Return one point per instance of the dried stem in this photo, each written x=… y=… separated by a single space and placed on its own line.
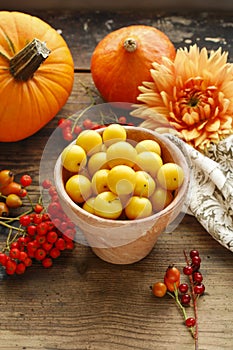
x=194 y=300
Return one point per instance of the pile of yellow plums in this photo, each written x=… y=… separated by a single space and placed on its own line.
x=114 y=177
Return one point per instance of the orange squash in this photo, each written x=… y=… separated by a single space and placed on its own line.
x=122 y=60
x=36 y=74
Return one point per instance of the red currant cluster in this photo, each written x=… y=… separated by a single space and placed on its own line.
x=70 y=129
x=35 y=235
x=186 y=293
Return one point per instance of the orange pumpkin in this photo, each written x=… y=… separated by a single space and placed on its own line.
x=122 y=61
x=36 y=74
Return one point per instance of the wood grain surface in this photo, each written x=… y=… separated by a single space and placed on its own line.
x=82 y=302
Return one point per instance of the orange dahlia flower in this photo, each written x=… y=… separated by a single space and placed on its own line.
x=193 y=95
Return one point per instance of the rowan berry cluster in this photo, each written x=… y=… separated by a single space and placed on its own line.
x=39 y=234
x=185 y=293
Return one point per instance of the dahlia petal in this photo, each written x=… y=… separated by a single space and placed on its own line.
x=212 y=127
x=201 y=138
x=191 y=118
x=150 y=99
x=202 y=125
x=207 y=110
x=190 y=134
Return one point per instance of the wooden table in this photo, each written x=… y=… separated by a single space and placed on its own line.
x=83 y=302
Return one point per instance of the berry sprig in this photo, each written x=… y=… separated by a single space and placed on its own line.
x=186 y=293
x=33 y=235
x=71 y=127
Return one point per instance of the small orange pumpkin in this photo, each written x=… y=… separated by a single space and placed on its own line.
x=36 y=74
x=122 y=60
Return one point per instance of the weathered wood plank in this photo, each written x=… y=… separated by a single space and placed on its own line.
x=83 y=30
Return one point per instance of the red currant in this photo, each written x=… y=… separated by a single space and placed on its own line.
x=193 y=253
x=197 y=277
x=199 y=289
x=190 y=322
x=122 y=120
x=61 y=122
x=188 y=270
x=77 y=129
x=67 y=134
x=87 y=123
x=185 y=299
x=196 y=260
x=183 y=287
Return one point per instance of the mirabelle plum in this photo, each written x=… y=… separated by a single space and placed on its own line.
x=90 y=141
x=96 y=162
x=121 y=153
x=107 y=205
x=145 y=184
x=89 y=205
x=170 y=176
x=148 y=145
x=78 y=188
x=73 y=158
x=114 y=133
x=138 y=208
x=121 y=180
x=160 y=199
x=99 y=181
x=149 y=162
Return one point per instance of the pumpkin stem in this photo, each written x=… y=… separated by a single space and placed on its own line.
x=24 y=64
x=130 y=45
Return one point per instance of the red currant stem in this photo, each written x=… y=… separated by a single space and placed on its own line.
x=176 y=297
x=89 y=91
x=81 y=114
x=194 y=299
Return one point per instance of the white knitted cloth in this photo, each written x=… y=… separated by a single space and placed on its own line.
x=211 y=200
